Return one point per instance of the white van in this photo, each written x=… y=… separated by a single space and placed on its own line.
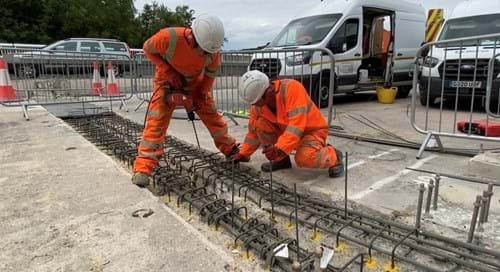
x=380 y=38
x=466 y=62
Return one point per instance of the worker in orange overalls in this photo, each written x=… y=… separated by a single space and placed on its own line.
x=186 y=61
x=283 y=118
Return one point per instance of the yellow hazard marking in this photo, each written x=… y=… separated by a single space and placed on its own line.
x=165 y=199
x=434 y=15
x=340 y=247
x=433 y=24
x=229 y=244
x=371 y=263
x=388 y=267
x=248 y=255
x=316 y=236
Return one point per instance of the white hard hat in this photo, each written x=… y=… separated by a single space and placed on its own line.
x=252 y=86
x=208 y=32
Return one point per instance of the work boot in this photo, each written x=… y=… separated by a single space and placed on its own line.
x=338 y=169
x=140 y=179
x=283 y=164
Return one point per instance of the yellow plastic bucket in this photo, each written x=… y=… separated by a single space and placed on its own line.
x=386 y=95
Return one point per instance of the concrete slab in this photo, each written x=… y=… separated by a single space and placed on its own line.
x=486 y=164
x=66 y=206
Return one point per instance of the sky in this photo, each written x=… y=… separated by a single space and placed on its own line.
x=250 y=23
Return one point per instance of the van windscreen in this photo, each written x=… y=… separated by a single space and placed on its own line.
x=305 y=31
x=471 y=26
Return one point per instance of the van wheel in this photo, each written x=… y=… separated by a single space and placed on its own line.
x=403 y=91
x=321 y=91
x=117 y=71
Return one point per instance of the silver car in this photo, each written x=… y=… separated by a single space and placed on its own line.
x=71 y=56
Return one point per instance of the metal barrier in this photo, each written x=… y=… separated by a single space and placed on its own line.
x=312 y=67
x=489 y=86
x=143 y=81
x=48 y=78
x=11 y=48
x=463 y=76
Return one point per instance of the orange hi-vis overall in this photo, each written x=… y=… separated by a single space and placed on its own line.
x=297 y=125
x=170 y=49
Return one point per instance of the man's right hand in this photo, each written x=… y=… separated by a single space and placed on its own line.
x=238 y=157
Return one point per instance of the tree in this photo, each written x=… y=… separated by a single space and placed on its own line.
x=46 y=21
x=20 y=20
x=155 y=16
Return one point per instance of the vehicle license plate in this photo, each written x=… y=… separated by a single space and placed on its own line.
x=465 y=84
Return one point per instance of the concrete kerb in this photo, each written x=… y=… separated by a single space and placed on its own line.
x=78 y=205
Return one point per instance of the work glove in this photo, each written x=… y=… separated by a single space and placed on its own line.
x=175 y=80
x=272 y=153
x=238 y=157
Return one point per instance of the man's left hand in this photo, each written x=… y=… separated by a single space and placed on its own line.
x=272 y=152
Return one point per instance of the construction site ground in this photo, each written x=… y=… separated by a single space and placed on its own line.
x=66 y=206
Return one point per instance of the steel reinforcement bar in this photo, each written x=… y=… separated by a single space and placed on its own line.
x=198 y=177
x=419 y=242
x=119 y=137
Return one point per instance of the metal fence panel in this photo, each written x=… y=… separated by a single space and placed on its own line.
x=144 y=75
x=492 y=71
x=312 y=67
x=47 y=77
x=459 y=83
x=11 y=48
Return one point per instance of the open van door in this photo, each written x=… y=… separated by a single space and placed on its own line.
x=408 y=32
x=382 y=45
x=346 y=46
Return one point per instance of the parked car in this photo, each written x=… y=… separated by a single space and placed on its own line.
x=70 y=56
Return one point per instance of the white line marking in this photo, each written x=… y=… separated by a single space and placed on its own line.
x=383 y=154
x=381 y=183
x=356 y=164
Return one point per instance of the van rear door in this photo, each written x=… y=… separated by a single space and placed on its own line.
x=410 y=31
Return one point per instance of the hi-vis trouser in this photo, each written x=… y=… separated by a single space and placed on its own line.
x=158 y=119
x=313 y=151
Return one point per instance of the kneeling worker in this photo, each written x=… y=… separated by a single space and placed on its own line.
x=283 y=118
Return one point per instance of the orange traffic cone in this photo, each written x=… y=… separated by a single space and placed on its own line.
x=112 y=84
x=96 y=80
x=7 y=91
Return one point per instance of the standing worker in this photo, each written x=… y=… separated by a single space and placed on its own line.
x=283 y=118
x=186 y=61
